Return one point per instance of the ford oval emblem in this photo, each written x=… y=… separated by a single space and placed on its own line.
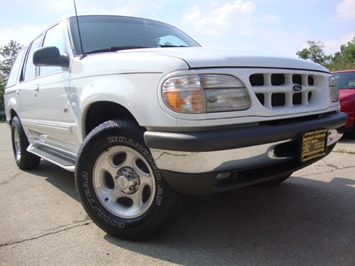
x=297 y=87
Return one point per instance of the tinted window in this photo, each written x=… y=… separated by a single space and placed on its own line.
x=54 y=37
x=346 y=80
x=30 y=68
x=105 y=32
x=14 y=74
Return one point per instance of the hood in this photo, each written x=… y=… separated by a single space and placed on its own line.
x=199 y=57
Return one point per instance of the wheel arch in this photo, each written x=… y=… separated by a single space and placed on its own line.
x=13 y=113
x=10 y=115
x=10 y=109
x=100 y=112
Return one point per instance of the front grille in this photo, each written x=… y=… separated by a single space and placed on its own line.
x=276 y=90
x=278 y=99
x=277 y=79
x=297 y=98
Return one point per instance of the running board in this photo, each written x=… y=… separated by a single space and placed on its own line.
x=54 y=156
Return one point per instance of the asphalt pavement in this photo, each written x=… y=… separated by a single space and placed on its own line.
x=307 y=220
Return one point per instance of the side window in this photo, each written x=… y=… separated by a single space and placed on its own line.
x=30 y=68
x=54 y=37
x=16 y=68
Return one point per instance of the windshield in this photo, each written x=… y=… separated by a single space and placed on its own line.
x=113 y=33
x=346 y=80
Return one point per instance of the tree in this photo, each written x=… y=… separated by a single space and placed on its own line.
x=345 y=59
x=315 y=53
x=8 y=54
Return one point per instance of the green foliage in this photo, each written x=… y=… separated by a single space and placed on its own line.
x=344 y=59
x=315 y=53
x=8 y=55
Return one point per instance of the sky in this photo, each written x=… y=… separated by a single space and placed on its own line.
x=252 y=27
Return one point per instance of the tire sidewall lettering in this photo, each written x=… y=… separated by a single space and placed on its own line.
x=159 y=193
x=93 y=206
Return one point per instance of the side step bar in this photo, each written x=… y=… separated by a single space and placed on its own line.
x=64 y=160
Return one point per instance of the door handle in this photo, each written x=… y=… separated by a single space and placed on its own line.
x=36 y=89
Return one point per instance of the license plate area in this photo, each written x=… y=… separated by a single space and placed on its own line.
x=313 y=144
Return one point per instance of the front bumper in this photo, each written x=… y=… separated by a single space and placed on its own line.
x=198 y=162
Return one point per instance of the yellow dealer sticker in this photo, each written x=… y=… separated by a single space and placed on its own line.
x=313 y=144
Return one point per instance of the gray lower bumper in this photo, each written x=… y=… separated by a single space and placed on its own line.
x=227 y=160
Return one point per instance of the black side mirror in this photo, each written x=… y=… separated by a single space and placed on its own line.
x=50 y=56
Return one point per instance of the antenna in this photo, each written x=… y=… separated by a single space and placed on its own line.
x=79 y=33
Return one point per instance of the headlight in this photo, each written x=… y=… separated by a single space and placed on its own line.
x=333 y=89
x=205 y=93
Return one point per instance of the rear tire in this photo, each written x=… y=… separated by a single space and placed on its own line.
x=23 y=158
x=120 y=186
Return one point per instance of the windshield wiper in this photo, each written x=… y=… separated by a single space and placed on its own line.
x=115 y=49
x=170 y=45
x=119 y=48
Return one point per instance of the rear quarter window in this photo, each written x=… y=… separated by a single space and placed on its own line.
x=16 y=69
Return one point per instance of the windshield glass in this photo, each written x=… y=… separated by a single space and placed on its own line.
x=346 y=80
x=113 y=33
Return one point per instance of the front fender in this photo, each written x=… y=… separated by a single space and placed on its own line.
x=137 y=92
x=115 y=89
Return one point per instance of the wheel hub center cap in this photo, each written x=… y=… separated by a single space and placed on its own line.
x=127 y=180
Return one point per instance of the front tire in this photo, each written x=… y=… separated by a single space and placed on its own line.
x=23 y=158
x=120 y=186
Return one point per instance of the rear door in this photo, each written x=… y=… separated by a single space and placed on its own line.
x=26 y=92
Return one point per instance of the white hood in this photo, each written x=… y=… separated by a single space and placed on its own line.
x=199 y=57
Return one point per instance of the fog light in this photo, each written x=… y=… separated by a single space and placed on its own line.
x=223 y=176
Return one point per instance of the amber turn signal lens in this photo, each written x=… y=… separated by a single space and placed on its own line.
x=173 y=100
x=184 y=101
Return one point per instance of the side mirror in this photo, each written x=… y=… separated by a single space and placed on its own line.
x=50 y=56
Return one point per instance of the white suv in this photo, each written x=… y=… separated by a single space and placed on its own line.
x=141 y=113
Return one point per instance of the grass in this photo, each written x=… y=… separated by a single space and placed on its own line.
x=344 y=151
x=332 y=165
